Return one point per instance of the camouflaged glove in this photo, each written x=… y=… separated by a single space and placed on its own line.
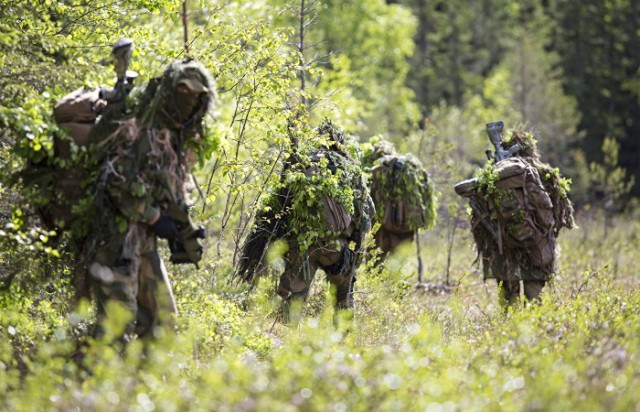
x=165 y=228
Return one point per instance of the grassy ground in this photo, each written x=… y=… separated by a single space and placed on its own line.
x=440 y=347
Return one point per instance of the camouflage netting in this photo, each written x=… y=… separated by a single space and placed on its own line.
x=59 y=185
x=153 y=145
x=402 y=193
x=163 y=177
x=316 y=199
x=332 y=176
x=268 y=226
x=161 y=151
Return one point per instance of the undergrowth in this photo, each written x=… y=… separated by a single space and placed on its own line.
x=438 y=347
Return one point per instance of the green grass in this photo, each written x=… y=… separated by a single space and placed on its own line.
x=441 y=349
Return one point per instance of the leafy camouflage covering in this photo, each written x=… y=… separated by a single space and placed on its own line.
x=403 y=195
x=319 y=197
x=66 y=180
x=374 y=150
x=159 y=100
x=555 y=185
x=145 y=168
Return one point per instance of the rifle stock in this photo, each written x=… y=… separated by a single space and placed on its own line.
x=494 y=130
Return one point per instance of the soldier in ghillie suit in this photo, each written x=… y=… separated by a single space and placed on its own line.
x=519 y=205
x=322 y=211
x=402 y=193
x=141 y=196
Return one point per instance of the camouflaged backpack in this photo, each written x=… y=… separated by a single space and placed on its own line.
x=522 y=210
x=336 y=217
x=402 y=194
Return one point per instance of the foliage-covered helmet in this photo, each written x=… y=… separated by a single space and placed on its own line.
x=526 y=140
x=179 y=99
x=375 y=149
x=336 y=138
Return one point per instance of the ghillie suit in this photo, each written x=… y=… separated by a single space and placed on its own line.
x=141 y=195
x=322 y=210
x=403 y=196
x=519 y=205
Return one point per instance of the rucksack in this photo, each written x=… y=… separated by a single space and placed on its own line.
x=61 y=177
x=402 y=194
x=76 y=113
x=523 y=210
x=336 y=217
x=86 y=117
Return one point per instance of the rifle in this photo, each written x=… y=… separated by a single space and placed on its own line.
x=469 y=188
x=494 y=130
x=121 y=52
x=480 y=210
x=187 y=247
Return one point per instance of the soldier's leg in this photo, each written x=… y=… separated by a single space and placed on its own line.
x=508 y=292
x=339 y=265
x=295 y=282
x=340 y=269
x=344 y=293
x=294 y=292
x=532 y=289
x=506 y=272
x=114 y=283
x=297 y=276
x=345 y=281
x=534 y=279
x=156 y=304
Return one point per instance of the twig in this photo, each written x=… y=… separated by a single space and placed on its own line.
x=419 y=256
x=185 y=26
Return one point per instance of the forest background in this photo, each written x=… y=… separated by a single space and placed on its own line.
x=426 y=75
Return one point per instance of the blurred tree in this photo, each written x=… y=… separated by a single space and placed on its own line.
x=535 y=88
x=356 y=53
x=599 y=41
x=457 y=44
x=609 y=181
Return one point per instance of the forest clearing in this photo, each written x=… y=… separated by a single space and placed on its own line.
x=246 y=91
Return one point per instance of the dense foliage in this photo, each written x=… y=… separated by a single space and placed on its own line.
x=426 y=75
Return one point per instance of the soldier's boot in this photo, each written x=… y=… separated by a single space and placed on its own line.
x=344 y=296
x=344 y=305
x=532 y=290
x=290 y=311
x=508 y=294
